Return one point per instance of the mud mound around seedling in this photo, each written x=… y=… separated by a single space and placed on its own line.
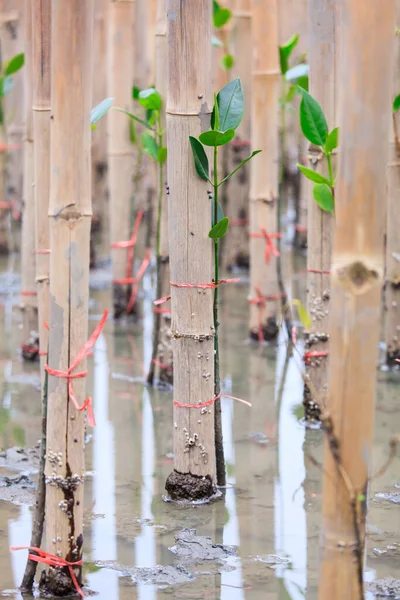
x=158 y=575
x=19 y=489
x=385 y=588
x=193 y=548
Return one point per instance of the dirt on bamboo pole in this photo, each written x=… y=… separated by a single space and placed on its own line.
x=29 y=306
x=264 y=290
x=121 y=159
x=322 y=27
x=188 y=113
x=70 y=214
x=357 y=275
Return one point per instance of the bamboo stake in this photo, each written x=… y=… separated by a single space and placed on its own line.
x=322 y=23
x=120 y=150
x=70 y=214
x=41 y=92
x=357 y=274
x=188 y=113
x=29 y=306
x=161 y=370
x=264 y=173
x=392 y=284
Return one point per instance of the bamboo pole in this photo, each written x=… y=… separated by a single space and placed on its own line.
x=188 y=113
x=264 y=290
x=70 y=214
x=392 y=283
x=357 y=274
x=161 y=369
x=29 y=304
x=120 y=150
x=41 y=93
x=322 y=24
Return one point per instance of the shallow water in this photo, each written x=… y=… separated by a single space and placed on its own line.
x=271 y=510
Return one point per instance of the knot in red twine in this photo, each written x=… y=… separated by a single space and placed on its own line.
x=270 y=247
x=210 y=402
x=261 y=302
x=53 y=561
x=70 y=376
x=202 y=286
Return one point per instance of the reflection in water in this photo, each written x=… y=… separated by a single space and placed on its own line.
x=290 y=519
x=19 y=534
x=104 y=544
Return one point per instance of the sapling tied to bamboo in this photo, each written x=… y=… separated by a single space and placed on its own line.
x=226 y=116
x=221 y=17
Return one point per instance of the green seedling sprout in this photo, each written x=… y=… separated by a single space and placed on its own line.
x=6 y=81
x=221 y=17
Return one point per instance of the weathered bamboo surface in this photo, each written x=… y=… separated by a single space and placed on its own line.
x=41 y=110
x=357 y=275
x=70 y=220
x=264 y=169
x=322 y=27
x=188 y=113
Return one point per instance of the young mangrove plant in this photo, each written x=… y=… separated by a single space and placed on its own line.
x=321 y=100
x=226 y=117
x=221 y=17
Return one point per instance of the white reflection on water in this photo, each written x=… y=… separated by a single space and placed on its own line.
x=19 y=534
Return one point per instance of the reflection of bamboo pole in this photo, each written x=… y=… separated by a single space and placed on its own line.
x=70 y=213
x=322 y=59
x=264 y=169
x=120 y=151
x=29 y=295
x=392 y=289
x=357 y=273
x=41 y=76
x=188 y=113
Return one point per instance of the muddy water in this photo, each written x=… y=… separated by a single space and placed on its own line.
x=270 y=517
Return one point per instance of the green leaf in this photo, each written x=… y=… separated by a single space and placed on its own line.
x=219 y=229
x=200 y=158
x=312 y=120
x=216 y=138
x=291 y=93
x=361 y=497
x=332 y=141
x=244 y=161
x=294 y=73
x=134 y=117
x=216 y=7
x=313 y=175
x=220 y=212
x=216 y=42
x=135 y=92
x=15 y=64
x=324 y=197
x=150 y=99
x=150 y=145
x=162 y=155
x=227 y=62
x=303 y=314
x=6 y=85
x=285 y=51
x=231 y=105
x=216 y=113
x=303 y=82
x=221 y=17
x=396 y=103
x=100 y=110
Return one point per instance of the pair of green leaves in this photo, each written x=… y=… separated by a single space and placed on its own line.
x=297 y=75
x=221 y=15
x=153 y=149
x=315 y=129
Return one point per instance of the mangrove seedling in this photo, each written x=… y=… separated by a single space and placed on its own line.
x=226 y=116
x=221 y=17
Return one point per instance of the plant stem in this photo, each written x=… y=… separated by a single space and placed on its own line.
x=160 y=183
x=219 y=447
x=328 y=159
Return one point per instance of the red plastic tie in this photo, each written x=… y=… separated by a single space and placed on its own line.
x=261 y=301
x=43 y=251
x=270 y=247
x=130 y=244
x=318 y=271
x=202 y=286
x=70 y=376
x=28 y=293
x=42 y=353
x=6 y=205
x=139 y=275
x=53 y=561
x=316 y=354
x=209 y=402
x=161 y=311
x=46 y=325
x=161 y=364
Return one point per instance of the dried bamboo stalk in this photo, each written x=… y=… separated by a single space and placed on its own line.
x=120 y=150
x=29 y=303
x=322 y=23
x=70 y=214
x=188 y=113
x=357 y=274
x=41 y=110
x=264 y=169
x=392 y=283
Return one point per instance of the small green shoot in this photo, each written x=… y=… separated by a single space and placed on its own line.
x=221 y=17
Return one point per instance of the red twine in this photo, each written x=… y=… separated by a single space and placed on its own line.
x=161 y=311
x=28 y=293
x=43 y=251
x=69 y=375
x=233 y=222
x=261 y=301
x=203 y=286
x=316 y=354
x=270 y=248
x=130 y=244
x=161 y=364
x=53 y=561
x=294 y=336
x=209 y=402
x=319 y=271
x=301 y=228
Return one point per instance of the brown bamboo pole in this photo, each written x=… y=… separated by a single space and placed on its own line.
x=41 y=93
x=120 y=150
x=188 y=113
x=264 y=171
x=29 y=303
x=357 y=274
x=392 y=283
x=161 y=369
x=322 y=27
x=70 y=214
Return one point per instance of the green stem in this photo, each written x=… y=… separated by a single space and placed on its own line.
x=329 y=161
x=160 y=185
